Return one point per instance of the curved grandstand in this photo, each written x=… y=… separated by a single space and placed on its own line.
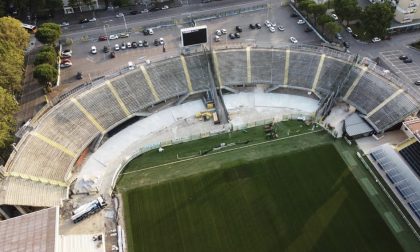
x=45 y=160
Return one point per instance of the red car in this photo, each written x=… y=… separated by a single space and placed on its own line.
x=102 y=38
x=65 y=60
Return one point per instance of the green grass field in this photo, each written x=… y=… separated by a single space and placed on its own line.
x=294 y=194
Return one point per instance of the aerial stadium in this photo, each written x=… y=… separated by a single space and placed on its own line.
x=233 y=147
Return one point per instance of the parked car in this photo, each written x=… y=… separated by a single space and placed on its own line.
x=346 y=44
x=112 y=55
x=65 y=64
x=156 y=42
x=84 y=20
x=148 y=32
x=79 y=75
x=64 y=24
x=123 y=46
x=338 y=36
x=252 y=26
x=231 y=36
x=267 y=23
x=334 y=16
x=65 y=61
x=117 y=47
x=258 y=26
x=293 y=40
x=130 y=65
x=106 y=49
x=144 y=11
x=145 y=43
x=238 y=29
x=355 y=35
x=66 y=52
x=272 y=29
x=92 y=19
x=165 y=7
x=113 y=36
x=223 y=31
x=294 y=14
x=408 y=60
x=308 y=29
x=123 y=35
x=417 y=83
x=376 y=39
x=349 y=30
x=237 y=35
x=300 y=22
x=161 y=41
x=403 y=57
x=134 y=12
x=140 y=43
x=102 y=38
x=128 y=44
x=216 y=38
x=93 y=50
x=281 y=28
x=134 y=44
x=119 y=15
x=218 y=32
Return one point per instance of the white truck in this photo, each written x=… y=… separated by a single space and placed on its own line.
x=88 y=209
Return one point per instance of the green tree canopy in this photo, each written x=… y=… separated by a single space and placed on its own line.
x=11 y=67
x=11 y=31
x=45 y=74
x=377 y=18
x=347 y=9
x=46 y=58
x=323 y=19
x=48 y=33
x=316 y=10
x=333 y=27
x=8 y=108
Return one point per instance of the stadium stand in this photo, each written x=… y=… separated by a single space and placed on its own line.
x=45 y=156
x=411 y=154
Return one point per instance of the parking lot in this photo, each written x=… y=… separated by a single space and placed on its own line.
x=95 y=65
x=411 y=71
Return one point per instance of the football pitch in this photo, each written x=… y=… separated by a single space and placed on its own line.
x=295 y=194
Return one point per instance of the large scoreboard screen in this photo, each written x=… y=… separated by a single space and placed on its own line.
x=194 y=35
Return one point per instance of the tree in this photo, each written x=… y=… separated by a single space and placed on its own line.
x=11 y=31
x=323 y=19
x=316 y=10
x=45 y=74
x=48 y=33
x=45 y=58
x=8 y=108
x=304 y=5
x=333 y=27
x=11 y=67
x=347 y=10
x=377 y=18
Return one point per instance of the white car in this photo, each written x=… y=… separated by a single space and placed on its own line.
x=92 y=19
x=273 y=24
x=224 y=31
x=123 y=46
x=66 y=52
x=281 y=28
x=293 y=40
x=113 y=36
x=64 y=24
x=151 y=32
x=144 y=11
x=349 y=30
x=130 y=65
x=119 y=15
x=376 y=39
x=93 y=50
x=300 y=21
x=334 y=17
x=218 y=33
x=272 y=29
x=140 y=43
x=267 y=23
x=117 y=47
x=128 y=44
x=216 y=38
x=165 y=7
x=161 y=41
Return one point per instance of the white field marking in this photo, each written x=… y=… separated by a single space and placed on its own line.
x=220 y=152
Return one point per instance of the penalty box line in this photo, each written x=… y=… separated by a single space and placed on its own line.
x=220 y=152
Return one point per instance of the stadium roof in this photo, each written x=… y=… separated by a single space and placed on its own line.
x=355 y=125
x=34 y=232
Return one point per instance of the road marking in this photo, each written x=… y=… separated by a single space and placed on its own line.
x=216 y=68
x=37 y=179
x=118 y=98
x=149 y=82
x=248 y=64
x=286 y=68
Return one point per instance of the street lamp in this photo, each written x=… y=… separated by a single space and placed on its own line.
x=107 y=38
x=125 y=23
